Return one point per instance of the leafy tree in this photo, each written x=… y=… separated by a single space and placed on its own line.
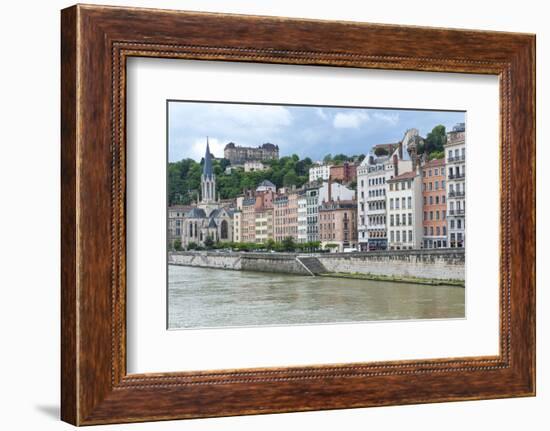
x=290 y=179
x=435 y=140
x=192 y=246
x=381 y=151
x=177 y=245
x=288 y=244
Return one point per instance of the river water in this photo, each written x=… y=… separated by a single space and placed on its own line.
x=207 y=298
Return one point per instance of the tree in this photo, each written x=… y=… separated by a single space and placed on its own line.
x=288 y=244
x=208 y=242
x=177 y=245
x=327 y=159
x=435 y=140
x=290 y=179
x=192 y=246
x=381 y=151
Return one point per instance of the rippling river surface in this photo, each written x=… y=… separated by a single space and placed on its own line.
x=208 y=298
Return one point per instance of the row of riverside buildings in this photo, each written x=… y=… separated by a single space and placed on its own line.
x=400 y=201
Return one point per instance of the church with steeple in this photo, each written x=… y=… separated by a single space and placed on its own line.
x=208 y=218
x=208 y=200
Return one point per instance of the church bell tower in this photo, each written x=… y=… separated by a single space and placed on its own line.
x=208 y=182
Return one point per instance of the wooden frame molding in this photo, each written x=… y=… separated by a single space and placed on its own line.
x=95 y=43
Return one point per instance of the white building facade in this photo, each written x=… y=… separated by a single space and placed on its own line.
x=455 y=153
x=302 y=218
x=404 y=213
x=372 y=189
x=319 y=172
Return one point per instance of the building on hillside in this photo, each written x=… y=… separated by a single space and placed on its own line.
x=338 y=224
x=252 y=166
x=372 y=189
x=265 y=186
x=320 y=171
x=238 y=155
x=344 y=173
x=455 y=153
x=434 y=209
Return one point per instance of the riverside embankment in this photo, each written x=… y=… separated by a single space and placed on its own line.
x=425 y=265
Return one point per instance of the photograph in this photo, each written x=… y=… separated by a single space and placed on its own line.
x=299 y=215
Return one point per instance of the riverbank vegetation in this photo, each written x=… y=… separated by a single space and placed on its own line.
x=286 y=245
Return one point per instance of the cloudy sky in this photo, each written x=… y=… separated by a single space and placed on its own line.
x=303 y=130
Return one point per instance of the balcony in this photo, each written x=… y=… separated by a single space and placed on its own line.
x=460 y=176
x=457 y=194
x=456 y=212
x=456 y=159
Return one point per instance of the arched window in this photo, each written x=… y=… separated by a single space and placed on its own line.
x=224 y=230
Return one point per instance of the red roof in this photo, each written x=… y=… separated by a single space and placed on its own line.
x=434 y=163
x=404 y=176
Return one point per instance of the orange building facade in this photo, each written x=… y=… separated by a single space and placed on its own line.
x=434 y=208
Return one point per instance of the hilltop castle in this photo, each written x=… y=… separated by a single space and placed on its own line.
x=238 y=155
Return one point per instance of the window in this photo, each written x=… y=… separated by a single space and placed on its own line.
x=459 y=224
x=410 y=236
x=437 y=185
x=391 y=236
x=425 y=200
x=430 y=186
x=396 y=203
x=444 y=230
x=409 y=184
x=436 y=172
x=391 y=186
x=437 y=231
x=409 y=202
x=404 y=219
x=431 y=231
x=452 y=224
x=403 y=186
x=391 y=220
x=410 y=219
x=431 y=215
x=437 y=200
x=404 y=235
x=398 y=236
x=425 y=231
x=443 y=199
x=437 y=215
x=425 y=215
x=431 y=200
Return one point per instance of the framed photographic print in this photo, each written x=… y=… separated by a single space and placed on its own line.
x=265 y=215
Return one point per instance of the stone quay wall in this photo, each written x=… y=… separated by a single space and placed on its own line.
x=261 y=262
x=437 y=264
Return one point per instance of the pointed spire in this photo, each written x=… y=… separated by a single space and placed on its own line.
x=207 y=170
